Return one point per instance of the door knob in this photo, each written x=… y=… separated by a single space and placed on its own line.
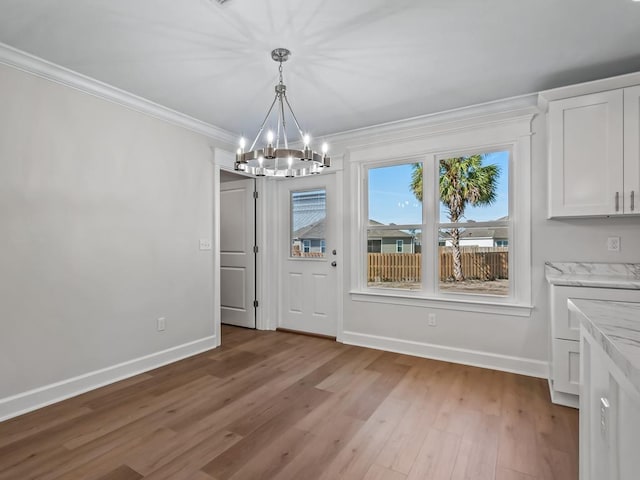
x=334 y=263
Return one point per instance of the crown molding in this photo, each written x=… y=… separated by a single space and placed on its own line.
x=585 y=88
x=495 y=112
x=26 y=62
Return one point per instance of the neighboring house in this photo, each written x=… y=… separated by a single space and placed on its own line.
x=308 y=222
x=310 y=238
x=392 y=241
x=480 y=237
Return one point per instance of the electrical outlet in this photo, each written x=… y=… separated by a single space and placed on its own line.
x=162 y=323
x=205 y=244
x=613 y=244
x=432 y=320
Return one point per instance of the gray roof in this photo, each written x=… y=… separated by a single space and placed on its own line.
x=387 y=233
x=469 y=231
x=315 y=230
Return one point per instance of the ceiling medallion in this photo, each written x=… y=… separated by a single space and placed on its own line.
x=274 y=160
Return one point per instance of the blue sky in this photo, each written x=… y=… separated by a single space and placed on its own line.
x=392 y=201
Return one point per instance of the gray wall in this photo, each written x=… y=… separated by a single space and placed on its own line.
x=101 y=209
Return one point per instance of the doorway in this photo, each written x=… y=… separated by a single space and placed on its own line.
x=309 y=257
x=237 y=254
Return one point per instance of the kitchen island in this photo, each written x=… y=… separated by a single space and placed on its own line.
x=609 y=389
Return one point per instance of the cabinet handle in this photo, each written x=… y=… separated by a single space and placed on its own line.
x=617 y=201
x=632 y=199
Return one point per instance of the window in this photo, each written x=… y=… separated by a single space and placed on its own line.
x=474 y=211
x=395 y=220
x=308 y=215
x=374 y=245
x=464 y=199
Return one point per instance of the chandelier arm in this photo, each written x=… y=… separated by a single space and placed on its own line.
x=295 y=120
x=284 y=121
x=264 y=122
x=280 y=120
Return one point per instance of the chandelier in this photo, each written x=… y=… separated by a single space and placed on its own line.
x=274 y=159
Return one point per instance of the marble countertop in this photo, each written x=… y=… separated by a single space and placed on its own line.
x=616 y=328
x=603 y=275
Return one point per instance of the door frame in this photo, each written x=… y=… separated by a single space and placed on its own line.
x=250 y=188
x=268 y=260
x=224 y=160
x=279 y=218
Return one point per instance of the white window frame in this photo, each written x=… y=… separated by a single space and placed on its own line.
x=306 y=246
x=400 y=244
x=485 y=135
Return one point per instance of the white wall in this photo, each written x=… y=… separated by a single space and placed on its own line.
x=498 y=341
x=101 y=209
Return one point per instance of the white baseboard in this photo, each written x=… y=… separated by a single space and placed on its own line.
x=41 y=397
x=505 y=363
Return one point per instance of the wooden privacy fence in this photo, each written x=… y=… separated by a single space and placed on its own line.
x=478 y=263
x=395 y=267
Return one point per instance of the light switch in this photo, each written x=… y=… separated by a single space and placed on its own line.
x=205 y=244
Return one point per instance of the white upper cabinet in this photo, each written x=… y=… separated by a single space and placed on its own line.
x=631 y=149
x=594 y=150
x=586 y=160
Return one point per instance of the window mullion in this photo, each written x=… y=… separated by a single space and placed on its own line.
x=429 y=221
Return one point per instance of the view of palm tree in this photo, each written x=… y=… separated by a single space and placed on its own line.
x=463 y=181
x=468 y=210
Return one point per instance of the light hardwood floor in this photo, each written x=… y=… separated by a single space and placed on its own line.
x=273 y=405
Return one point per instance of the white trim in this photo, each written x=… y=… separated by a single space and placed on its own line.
x=439 y=123
x=505 y=363
x=395 y=297
x=585 y=88
x=217 y=301
x=340 y=246
x=564 y=399
x=41 y=397
x=513 y=133
x=42 y=68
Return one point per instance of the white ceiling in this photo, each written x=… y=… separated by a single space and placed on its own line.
x=355 y=63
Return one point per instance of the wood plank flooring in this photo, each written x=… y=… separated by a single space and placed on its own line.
x=275 y=405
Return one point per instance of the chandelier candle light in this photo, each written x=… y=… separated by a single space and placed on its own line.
x=271 y=160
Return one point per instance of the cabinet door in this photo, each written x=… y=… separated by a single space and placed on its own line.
x=585 y=155
x=566 y=366
x=632 y=149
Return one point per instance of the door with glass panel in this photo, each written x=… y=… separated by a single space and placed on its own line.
x=308 y=298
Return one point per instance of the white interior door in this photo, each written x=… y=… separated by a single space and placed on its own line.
x=237 y=258
x=308 y=292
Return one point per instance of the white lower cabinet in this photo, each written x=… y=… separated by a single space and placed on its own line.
x=566 y=354
x=565 y=338
x=609 y=418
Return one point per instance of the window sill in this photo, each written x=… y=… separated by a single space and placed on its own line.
x=464 y=305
